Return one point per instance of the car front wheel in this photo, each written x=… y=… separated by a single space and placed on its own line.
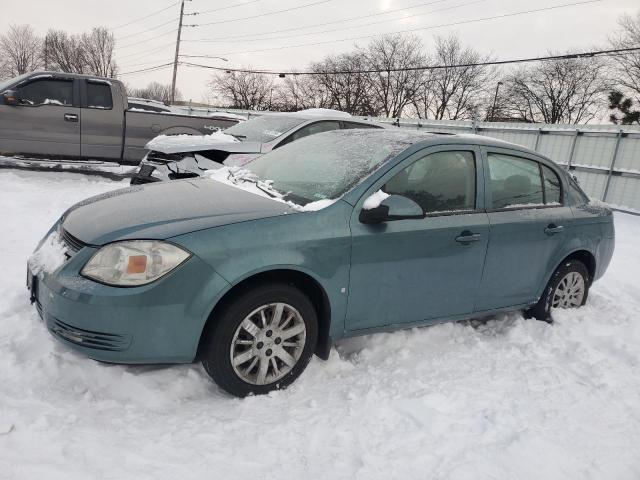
x=261 y=341
x=567 y=288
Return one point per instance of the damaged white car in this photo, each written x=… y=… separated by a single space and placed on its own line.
x=173 y=157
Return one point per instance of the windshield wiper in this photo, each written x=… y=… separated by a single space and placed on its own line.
x=259 y=184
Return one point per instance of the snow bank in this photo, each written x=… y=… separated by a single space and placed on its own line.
x=374 y=200
x=189 y=141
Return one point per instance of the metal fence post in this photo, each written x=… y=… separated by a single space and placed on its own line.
x=613 y=163
x=573 y=148
x=535 y=147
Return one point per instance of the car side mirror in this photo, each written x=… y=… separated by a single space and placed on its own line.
x=381 y=207
x=10 y=97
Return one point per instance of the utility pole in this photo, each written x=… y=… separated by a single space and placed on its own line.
x=175 y=61
x=495 y=101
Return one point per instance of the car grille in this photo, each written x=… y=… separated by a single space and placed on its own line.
x=90 y=339
x=72 y=243
x=165 y=157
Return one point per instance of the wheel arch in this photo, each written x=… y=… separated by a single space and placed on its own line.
x=302 y=280
x=581 y=254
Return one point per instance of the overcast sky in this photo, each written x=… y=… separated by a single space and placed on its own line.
x=150 y=41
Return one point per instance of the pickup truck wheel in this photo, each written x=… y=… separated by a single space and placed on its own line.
x=567 y=288
x=262 y=341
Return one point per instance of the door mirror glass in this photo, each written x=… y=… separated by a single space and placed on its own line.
x=10 y=97
x=392 y=207
x=402 y=207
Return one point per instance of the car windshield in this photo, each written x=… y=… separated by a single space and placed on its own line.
x=326 y=165
x=264 y=129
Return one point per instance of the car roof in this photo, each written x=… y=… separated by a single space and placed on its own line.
x=319 y=116
x=426 y=138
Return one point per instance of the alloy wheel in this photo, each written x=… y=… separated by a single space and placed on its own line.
x=268 y=343
x=570 y=291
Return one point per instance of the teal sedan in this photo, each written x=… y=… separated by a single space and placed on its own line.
x=251 y=271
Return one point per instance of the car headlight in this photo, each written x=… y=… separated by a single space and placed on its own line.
x=134 y=262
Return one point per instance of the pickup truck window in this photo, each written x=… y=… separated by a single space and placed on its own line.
x=99 y=96
x=46 y=91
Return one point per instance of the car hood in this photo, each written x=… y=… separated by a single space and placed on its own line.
x=165 y=209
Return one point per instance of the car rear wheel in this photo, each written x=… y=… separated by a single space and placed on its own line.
x=261 y=341
x=567 y=288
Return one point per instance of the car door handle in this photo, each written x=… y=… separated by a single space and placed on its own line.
x=552 y=229
x=70 y=117
x=468 y=237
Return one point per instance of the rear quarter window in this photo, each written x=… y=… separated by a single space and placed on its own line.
x=99 y=96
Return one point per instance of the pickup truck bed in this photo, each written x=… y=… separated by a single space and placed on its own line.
x=70 y=116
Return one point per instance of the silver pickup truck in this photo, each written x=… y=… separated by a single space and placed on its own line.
x=63 y=115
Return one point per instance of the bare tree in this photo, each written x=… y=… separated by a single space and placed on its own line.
x=454 y=92
x=154 y=91
x=627 y=65
x=90 y=53
x=341 y=77
x=395 y=79
x=64 y=52
x=244 y=90
x=298 y=92
x=19 y=50
x=98 y=49
x=563 y=91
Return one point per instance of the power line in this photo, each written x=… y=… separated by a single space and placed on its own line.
x=146 y=16
x=222 y=8
x=363 y=25
x=145 y=31
x=137 y=44
x=266 y=14
x=141 y=64
x=464 y=22
x=568 y=56
x=359 y=17
x=146 y=70
x=148 y=51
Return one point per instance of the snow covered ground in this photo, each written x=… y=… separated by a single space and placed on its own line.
x=503 y=399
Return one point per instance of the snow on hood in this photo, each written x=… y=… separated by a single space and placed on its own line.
x=181 y=143
x=248 y=181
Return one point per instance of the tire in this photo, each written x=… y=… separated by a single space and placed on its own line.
x=571 y=274
x=245 y=331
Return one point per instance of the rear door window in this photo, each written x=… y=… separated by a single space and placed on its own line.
x=515 y=182
x=46 y=91
x=552 y=186
x=99 y=95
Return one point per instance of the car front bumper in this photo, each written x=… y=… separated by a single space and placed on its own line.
x=156 y=323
